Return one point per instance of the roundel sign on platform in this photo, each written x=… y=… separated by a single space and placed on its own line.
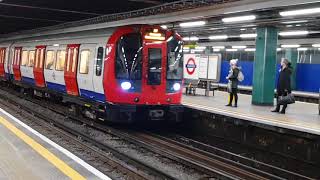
x=191 y=66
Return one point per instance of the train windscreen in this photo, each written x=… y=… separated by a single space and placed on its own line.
x=175 y=59
x=154 y=69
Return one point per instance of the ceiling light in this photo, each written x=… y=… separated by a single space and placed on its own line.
x=302 y=49
x=279 y=49
x=231 y=50
x=294 y=22
x=193 y=24
x=186 y=48
x=243 y=29
x=300 y=12
x=248 y=35
x=218 y=37
x=164 y=27
x=290 y=45
x=200 y=47
x=221 y=47
x=239 y=47
x=193 y=38
x=315 y=45
x=216 y=50
x=293 y=33
x=239 y=18
x=198 y=50
x=250 y=49
x=56 y=45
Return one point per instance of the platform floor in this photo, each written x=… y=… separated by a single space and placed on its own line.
x=24 y=154
x=299 y=116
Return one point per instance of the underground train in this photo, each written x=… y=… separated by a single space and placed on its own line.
x=121 y=74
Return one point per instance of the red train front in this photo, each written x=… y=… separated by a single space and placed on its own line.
x=143 y=74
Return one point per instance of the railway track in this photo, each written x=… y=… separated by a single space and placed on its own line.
x=208 y=163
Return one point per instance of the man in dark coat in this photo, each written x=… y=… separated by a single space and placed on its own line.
x=284 y=83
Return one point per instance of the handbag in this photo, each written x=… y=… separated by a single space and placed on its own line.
x=229 y=87
x=288 y=99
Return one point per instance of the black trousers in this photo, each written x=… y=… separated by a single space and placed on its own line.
x=278 y=105
x=233 y=93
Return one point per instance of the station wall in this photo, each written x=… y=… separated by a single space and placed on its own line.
x=306 y=80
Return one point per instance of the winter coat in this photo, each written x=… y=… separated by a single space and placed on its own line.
x=233 y=78
x=284 y=82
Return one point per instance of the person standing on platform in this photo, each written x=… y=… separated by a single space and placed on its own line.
x=233 y=82
x=284 y=84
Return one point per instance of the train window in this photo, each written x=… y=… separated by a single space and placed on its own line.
x=129 y=57
x=41 y=58
x=69 y=59
x=24 y=60
x=99 y=61
x=61 y=57
x=155 y=68
x=49 y=60
x=74 y=59
x=175 y=59
x=84 y=62
x=31 y=58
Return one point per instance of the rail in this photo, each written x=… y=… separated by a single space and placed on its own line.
x=160 y=9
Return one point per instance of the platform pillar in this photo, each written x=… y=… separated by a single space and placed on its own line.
x=265 y=66
x=292 y=55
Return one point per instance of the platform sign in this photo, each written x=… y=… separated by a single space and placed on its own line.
x=214 y=68
x=203 y=67
x=191 y=66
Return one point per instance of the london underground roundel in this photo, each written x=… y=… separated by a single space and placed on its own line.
x=191 y=66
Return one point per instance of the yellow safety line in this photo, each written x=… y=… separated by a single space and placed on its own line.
x=58 y=163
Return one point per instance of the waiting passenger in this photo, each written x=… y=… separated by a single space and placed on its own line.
x=284 y=84
x=233 y=82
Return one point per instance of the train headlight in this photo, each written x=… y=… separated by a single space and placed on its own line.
x=125 y=85
x=176 y=86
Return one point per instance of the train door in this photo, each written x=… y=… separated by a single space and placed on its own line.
x=98 y=72
x=16 y=63
x=8 y=64
x=85 y=71
x=38 y=66
x=26 y=65
x=2 y=59
x=70 y=69
x=154 y=82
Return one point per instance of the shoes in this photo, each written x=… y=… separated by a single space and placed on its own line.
x=228 y=105
x=276 y=110
x=235 y=105
x=283 y=111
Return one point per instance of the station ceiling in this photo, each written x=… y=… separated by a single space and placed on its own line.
x=18 y=15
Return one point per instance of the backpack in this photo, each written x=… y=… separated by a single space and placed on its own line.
x=240 y=76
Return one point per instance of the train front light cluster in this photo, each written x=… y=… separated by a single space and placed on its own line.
x=126 y=85
x=176 y=86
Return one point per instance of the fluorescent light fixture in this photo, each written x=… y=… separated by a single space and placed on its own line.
x=216 y=50
x=218 y=37
x=279 y=49
x=243 y=29
x=316 y=45
x=221 y=47
x=290 y=45
x=56 y=45
x=193 y=38
x=248 y=35
x=193 y=24
x=239 y=47
x=200 y=47
x=302 y=49
x=293 y=33
x=294 y=22
x=164 y=27
x=319 y=49
x=239 y=18
x=250 y=49
x=186 y=48
x=231 y=50
x=300 y=12
x=198 y=50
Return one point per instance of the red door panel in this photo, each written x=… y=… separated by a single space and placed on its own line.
x=70 y=69
x=16 y=63
x=2 y=58
x=38 y=66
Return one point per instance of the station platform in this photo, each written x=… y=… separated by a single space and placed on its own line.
x=300 y=116
x=27 y=154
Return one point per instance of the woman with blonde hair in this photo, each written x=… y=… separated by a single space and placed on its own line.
x=233 y=82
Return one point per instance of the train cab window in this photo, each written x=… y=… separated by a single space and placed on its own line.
x=84 y=62
x=129 y=57
x=154 y=66
x=61 y=58
x=175 y=59
x=99 y=61
x=31 y=58
x=24 y=59
x=49 y=60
